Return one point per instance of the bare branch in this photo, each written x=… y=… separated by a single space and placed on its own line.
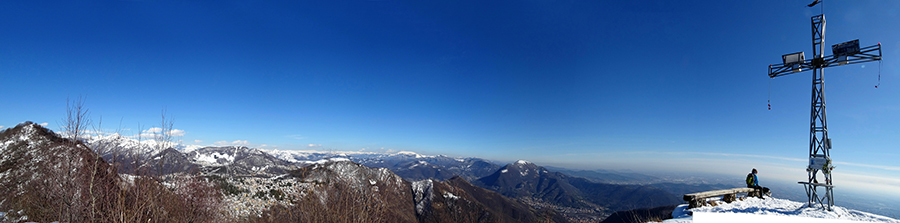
x=77 y=118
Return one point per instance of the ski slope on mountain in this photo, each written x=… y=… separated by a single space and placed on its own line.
x=771 y=210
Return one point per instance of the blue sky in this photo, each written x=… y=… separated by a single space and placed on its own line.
x=587 y=84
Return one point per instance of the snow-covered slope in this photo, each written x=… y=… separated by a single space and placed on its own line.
x=238 y=160
x=772 y=210
x=109 y=144
x=42 y=174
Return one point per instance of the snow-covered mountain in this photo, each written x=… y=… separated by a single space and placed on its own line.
x=239 y=160
x=130 y=154
x=116 y=144
x=409 y=165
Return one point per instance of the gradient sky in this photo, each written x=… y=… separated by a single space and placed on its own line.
x=678 y=85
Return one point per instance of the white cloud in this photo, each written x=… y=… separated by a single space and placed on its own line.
x=44 y=124
x=151 y=132
x=2 y=126
x=891 y=168
x=297 y=137
x=314 y=145
x=198 y=141
x=88 y=131
x=233 y=143
x=175 y=132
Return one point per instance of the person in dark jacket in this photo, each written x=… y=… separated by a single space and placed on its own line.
x=753 y=182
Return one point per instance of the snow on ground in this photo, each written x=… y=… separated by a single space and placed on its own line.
x=213 y=158
x=324 y=161
x=422 y=191
x=771 y=210
x=449 y=195
x=413 y=154
x=418 y=163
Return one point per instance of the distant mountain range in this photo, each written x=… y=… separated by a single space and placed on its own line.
x=575 y=197
x=409 y=165
x=439 y=188
x=608 y=176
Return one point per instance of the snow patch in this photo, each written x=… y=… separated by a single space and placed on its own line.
x=772 y=210
x=449 y=195
x=191 y=148
x=324 y=161
x=423 y=194
x=213 y=158
x=423 y=163
x=408 y=153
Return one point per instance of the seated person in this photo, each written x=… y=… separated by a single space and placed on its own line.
x=753 y=182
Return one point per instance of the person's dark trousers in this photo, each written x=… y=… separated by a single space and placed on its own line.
x=765 y=190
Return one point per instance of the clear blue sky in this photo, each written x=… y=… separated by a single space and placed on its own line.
x=591 y=84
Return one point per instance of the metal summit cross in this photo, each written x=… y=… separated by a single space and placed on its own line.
x=819 y=143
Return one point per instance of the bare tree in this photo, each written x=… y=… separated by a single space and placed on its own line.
x=163 y=139
x=96 y=157
x=77 y=119
x=164 y=136
x=100 y=147
x=74 y=124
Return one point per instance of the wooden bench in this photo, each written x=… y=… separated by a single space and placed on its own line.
x=729 y=195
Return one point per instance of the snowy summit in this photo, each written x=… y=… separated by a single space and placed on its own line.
x=771 y=210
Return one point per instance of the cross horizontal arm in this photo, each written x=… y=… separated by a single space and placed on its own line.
x=866 y=54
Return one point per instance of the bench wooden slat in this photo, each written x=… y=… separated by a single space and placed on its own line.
x=729 y=195
x=706 y=194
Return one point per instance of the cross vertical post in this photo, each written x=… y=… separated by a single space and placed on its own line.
x=818 y=124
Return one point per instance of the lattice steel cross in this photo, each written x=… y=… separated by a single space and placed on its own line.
x=819 y=143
